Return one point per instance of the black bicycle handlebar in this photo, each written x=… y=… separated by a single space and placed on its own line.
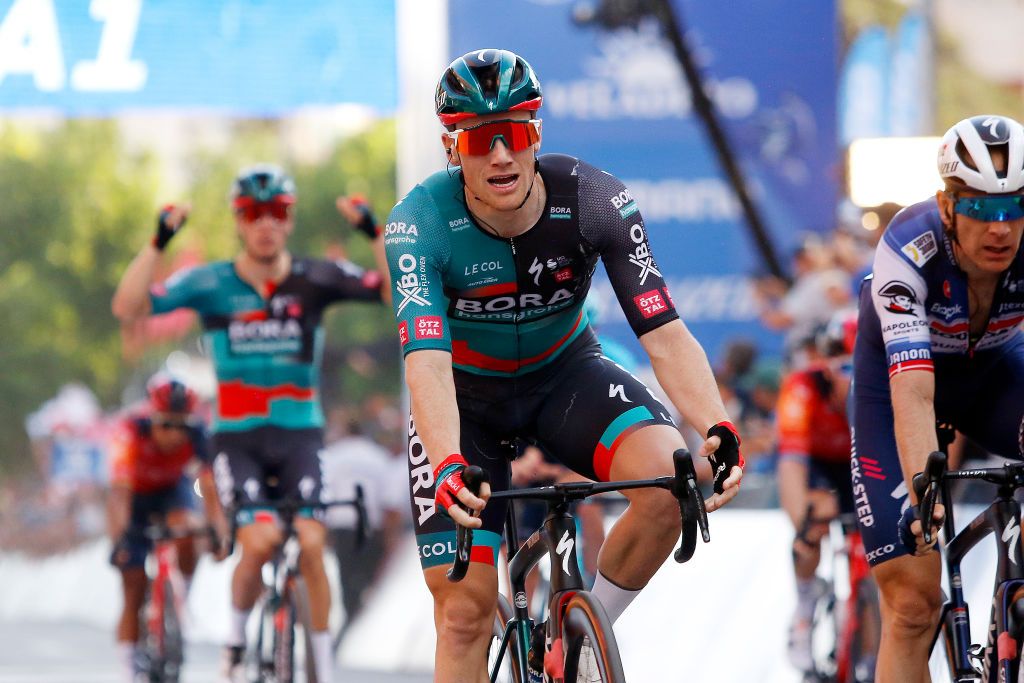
x=683 y=486
x=926 y=486
x=288 y=507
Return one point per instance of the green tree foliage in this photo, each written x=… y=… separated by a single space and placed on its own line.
x=75 y=207
x=69 y=200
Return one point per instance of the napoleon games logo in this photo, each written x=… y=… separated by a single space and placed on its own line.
x=901 y=297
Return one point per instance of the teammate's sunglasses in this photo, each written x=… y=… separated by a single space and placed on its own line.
x=170 y=424
x=253 y=211
x=479 y=140
x=989 y=209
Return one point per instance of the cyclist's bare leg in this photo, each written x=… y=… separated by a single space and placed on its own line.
x=258 y=541
x=181 y=520
x=133 y=581
x=795 y=497
x=910 y=603
x=641 y=539
x=463 y=615
x=312 y=536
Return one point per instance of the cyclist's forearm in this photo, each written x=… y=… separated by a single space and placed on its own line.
x=435 y=411
x=381 y=259
x=131 y=299
x=118 y=511
x=913 y=407
x=683 y=371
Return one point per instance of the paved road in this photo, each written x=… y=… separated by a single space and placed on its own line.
x=72 y=653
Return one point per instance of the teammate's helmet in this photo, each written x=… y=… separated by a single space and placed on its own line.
x=965 y=156
x=486 y=82
x=262 y=183
x=168 y=395
x=838 y=335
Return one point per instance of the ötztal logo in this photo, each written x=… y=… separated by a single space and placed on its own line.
x=408 y=285
x=650 y=303
x=428 y=327
x=641 y=256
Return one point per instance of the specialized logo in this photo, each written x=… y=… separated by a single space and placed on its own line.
x=901 y=297
x=535 y=269
x=306 y=487
x=428 y=327
x=641 y=256
x=1010 y=535
x=618 y=390
x=565 y=545
x=921 y=248
x=408 y=285
x=993 y=134
x=650 y=303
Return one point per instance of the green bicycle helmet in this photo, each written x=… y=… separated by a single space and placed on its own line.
x=262 y=183
x=485 y=82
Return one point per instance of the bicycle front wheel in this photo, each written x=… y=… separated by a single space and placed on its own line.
x=172 y=654
x=509 y=671
x=300 y=601
x=591 y=654
x=283 y=620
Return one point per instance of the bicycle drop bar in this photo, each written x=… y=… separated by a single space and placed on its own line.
x=683 y=486
x=289 y=507
x=927 y=486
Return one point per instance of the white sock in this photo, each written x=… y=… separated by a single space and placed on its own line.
x=236 y=630
x=323 y=656
x=804 y=598
x=126 y=653
x=614 y=599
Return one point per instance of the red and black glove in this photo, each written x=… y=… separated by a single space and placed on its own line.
x=367 y=222
x=448 y=482
x=164 y=231
x=728 y=454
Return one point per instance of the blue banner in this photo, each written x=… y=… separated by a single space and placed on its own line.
x=864 y=87
x=249 y=57
x=619 y=100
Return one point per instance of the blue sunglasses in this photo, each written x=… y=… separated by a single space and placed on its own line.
x=989 y=209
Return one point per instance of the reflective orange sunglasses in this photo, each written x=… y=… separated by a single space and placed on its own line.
x=253 y=211
x=517 y=135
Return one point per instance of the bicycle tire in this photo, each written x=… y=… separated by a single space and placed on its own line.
x=172 y=655
x=510 y=666
x=585 y=623
x=824 y=638
x=284 y=642
x=299 y=596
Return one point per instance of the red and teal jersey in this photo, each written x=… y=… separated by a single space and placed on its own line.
x=505 y=307
x=266 y=351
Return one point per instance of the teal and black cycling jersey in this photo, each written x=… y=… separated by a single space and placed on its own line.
x=266 y=351
x=506 y=307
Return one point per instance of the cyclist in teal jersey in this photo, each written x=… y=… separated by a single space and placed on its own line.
x=261 y=315
x=490 y=264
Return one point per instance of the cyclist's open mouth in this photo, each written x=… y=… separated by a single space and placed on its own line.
x=503 y=182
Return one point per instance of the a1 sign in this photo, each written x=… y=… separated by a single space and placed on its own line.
x=30 y=45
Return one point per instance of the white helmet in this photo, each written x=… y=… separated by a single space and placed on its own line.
x=965 y=157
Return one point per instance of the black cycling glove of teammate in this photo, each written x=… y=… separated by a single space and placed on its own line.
x=164 y=231
x=368 y=222
x=728 y=454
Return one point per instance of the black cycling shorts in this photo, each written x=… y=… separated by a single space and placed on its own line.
x=267 y=463
x=578 y=411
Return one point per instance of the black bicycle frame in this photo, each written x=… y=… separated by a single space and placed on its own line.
x=556 y=538
x=1001 y=518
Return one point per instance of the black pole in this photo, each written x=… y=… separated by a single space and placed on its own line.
x=617 y=13
x=706 y=110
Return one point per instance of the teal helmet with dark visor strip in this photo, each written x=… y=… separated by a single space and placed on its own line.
x=262 y=183
x=486 y=82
